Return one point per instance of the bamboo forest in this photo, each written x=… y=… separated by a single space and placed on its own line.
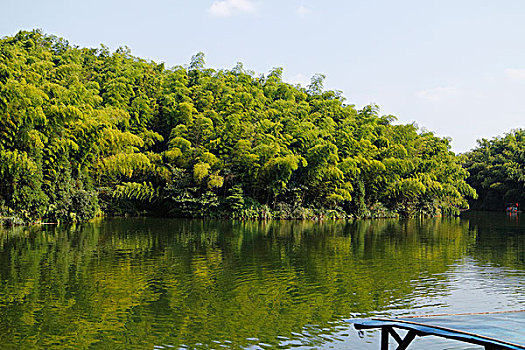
x=87 y=132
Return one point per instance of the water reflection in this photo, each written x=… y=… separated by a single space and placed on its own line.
x=145 y=283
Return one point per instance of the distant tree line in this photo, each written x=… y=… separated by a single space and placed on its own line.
x=86 y=132
x=497 y=171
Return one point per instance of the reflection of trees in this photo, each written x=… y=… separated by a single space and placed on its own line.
x=500 y=239
x=125 y=283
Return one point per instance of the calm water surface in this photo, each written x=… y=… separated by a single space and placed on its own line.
x=156 y=283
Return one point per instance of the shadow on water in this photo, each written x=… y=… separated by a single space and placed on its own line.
x=145 y=283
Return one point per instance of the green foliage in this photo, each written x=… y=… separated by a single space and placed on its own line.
x=21 y=185
x=235 y=200
x=69 y=201
x=200 y=171
x=497 y=171
x=136 y=191
x=123 y=166
x=83 y=128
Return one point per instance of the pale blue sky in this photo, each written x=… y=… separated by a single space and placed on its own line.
x=454 y=67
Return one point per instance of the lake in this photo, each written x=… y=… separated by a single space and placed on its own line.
x=205 y=284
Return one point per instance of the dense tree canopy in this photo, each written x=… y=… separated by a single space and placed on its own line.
x=85 y=131
x=497 y=171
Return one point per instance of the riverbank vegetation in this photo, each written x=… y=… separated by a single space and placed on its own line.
x=497 y=171
x=87 y=132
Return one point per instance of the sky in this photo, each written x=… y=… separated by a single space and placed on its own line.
x=454 y=67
